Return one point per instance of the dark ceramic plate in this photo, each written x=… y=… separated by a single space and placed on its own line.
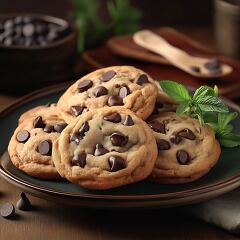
x=224 y=177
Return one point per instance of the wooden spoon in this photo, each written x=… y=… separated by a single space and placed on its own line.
x=196 y=66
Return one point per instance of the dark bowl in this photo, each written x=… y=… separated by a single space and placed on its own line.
x=23 y=69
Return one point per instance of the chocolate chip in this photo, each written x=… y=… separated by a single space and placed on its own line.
x=158 y=127
x=75 y=137
x=100 y=91
x=114 y=117
x=59 y=127
x=213 y=64
x=176 y=139
x=48 y=129
x=76 y=110
x=183 y=157
x=123 y=91
x=45 y=148
x=142 y=79
x=116 y=163
x=118 y=139
x=7 y=210
x=108 y=76
x=38 y=122
x=23 y=203
x=163 y=144
x=23 y=136
x=195 y=69
x=84 y=85
x=128 y=121
x=79 y=160
x=115 y=101
x=100 y=150
x=187 y=133
x=84 y=128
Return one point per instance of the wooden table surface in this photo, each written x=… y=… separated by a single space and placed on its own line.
x=50 y=220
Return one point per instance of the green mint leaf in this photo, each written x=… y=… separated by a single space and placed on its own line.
x=229 y=140
x=203 y=91
x=211 y=104
x=210 y=117
x=183 y=107
x=214 y=126
x=176 y=91
x=225 y=118
x=215 y=89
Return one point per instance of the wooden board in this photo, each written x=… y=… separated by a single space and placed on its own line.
x=229 y=85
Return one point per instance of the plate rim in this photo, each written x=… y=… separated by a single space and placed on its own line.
x=220 y=185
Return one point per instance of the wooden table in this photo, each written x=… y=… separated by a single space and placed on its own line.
x=54 y=221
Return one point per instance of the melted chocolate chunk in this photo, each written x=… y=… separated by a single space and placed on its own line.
x=114 y=117
x=84 y=128
x=163 y=144
x=108 y=76
x=115 y=101
x=59 y=127
x=123 y=91
x=128 y=121
x=176 y=139
x=183 y=157
x=76 y=110
x=38 y=122
x=100 y=150
x=142 y=79
x=195 y=69
x=116 y=163
x=48 y=129
x=187 y=133
x=118 y=139
x=75 y=137
x=213 y=64
x=45 y=148
x=79 y=160
x=23 y=136
x=84 y=85
x=100 y=91
x=158 y=127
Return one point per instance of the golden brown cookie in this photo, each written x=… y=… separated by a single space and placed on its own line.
x=105 y=148
x=124 y=86
x=30 y=147
x=186 y=150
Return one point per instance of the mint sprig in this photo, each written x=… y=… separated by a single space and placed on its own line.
x=207 y=107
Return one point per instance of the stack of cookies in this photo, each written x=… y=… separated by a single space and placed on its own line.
x=113 y=127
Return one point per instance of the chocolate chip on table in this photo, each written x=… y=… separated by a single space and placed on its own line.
x=38 y=122
x=118 y=139
x=7 y=210
x=76 y=110
x=100 y=150
x=195 y=69
x=187 y=133
x=23 y=136
x=23 y=203
x=142 y=79
x=100 y=91
x=183 y=157
x=123 y=91
x=176 y=139
x=84 y=85
x=75 y=137
x=84 y=128
x=59 y=127
x=48 y=129
x=163 y=144
x=114 y=117
x=108 y=76
x=128 y=121
x=45 y=148
x=79 y=160
x=158 y=127
x=115 y=101
x=116 y=163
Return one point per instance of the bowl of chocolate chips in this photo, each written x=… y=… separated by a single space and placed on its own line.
x=35 y=50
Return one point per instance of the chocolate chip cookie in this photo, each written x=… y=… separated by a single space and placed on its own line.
x=105 y=148
x=30 y=147
x=124 y=86
x=186 y=150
